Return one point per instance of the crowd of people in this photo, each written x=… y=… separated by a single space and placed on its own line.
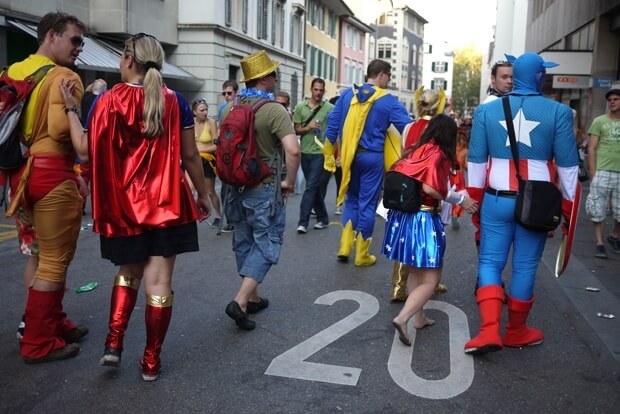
x=149 y=137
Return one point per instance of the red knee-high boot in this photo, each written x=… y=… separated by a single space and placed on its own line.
x=124 y=295
x=157 y=317
x=41 y=342
x=518 y=334
x=490 y=300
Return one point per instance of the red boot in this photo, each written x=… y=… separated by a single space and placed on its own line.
x=490 y=300
x=157 y=317
x=124 y=295
x=41 y=342
x=67 y=329
x=518 y=334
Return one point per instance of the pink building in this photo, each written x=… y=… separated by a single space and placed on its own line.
x=352 y=56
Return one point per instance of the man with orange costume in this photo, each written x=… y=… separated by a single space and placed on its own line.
x=47 y=193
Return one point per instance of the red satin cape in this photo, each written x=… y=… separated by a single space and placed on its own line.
x=428 y=165
x=137 y=182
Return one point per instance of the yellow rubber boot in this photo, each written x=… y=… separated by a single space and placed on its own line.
x=346 y=242
x=399 y=282
x=362 y=257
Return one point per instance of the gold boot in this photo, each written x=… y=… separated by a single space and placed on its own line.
x=346 y=242
x=399 y=282
x=362 y=257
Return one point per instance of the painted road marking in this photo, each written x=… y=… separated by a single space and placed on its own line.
x=8 y=235
x=293 y=364
x=461 y=365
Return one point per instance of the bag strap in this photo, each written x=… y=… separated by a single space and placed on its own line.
x=40 y=73
x=511 y=134
x=312 y=115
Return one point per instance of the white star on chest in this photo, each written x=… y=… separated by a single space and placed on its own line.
x=523 y=127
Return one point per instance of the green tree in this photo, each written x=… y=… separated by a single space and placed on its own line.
x=466 y=80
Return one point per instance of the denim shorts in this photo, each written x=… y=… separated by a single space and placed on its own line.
x=259 y=229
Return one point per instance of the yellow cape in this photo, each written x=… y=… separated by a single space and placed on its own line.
x=352 y=132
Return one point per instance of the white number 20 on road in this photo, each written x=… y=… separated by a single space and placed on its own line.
x=293 y=364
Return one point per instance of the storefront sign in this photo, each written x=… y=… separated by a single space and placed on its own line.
x=571 y=82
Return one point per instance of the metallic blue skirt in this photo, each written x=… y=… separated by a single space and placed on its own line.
x=417 y=239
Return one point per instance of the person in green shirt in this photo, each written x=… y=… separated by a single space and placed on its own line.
x=604 y=169
x=309 y=119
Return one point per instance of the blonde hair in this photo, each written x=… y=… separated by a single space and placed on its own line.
x=148 y=54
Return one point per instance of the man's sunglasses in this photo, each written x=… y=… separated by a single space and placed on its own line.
x=76 y=41
x=227 y=93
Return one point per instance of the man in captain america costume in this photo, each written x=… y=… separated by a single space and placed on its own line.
x=544 y=133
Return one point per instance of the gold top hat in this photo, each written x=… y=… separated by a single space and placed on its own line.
x=257 y=65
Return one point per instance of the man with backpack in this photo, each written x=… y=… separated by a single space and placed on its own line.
x=45 y=199
x=257 y=209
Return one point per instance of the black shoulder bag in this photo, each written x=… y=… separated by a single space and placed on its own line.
x=401 y=192
x=539 y=203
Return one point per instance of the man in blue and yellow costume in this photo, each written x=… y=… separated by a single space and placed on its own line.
x=362 y=117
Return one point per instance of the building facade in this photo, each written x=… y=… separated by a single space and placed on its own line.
x=439 y=67
x=586 y=44
x=323 y=43
x=215 y=35
x=109 y=23
x=400 y=41
x=352 y=57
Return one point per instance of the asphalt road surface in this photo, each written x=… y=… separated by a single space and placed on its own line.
x=324 y=345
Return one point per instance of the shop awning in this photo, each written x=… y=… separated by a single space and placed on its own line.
x=102 y=56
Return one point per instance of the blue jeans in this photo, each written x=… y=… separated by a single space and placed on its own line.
x=259 y=229
x=312 y=166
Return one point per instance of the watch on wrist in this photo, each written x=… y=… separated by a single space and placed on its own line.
x=71 y=109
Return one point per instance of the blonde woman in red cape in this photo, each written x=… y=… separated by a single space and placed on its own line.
x=139 y=132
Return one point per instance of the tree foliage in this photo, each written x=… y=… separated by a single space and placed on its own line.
x=466 y=81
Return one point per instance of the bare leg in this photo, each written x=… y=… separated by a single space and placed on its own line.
x=29 y=270
x=428 y=280
x=248 y=290
x=158 y=275
x=598 y=232
x=215 y=200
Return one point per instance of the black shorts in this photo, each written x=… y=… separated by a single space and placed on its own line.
x=208 y=169
x=165 y=242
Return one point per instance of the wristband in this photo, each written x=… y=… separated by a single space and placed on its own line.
x=71 y=109
x=462 y=200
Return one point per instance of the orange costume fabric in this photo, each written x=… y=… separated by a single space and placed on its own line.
x=47 y=186
x=137 y=182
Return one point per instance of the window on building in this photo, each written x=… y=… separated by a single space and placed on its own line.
x=277 y=27
x=296 y=34
x=439 y=67
x=439 y=83
x=228 y=12
x=262 y=28
x=331 y=30
x=384 y=51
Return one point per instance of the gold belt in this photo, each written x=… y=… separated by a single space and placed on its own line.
x=424 y=207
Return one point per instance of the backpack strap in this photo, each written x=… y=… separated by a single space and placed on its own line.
x=275 y=164
x=40 y=73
